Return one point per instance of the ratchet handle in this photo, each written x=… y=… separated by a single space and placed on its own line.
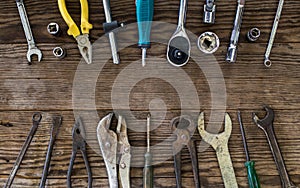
x=144 y=14
x=252 y=175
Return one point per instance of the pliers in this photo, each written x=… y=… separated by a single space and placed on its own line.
x=83 y=41
x=78 y=135
x=184 y=127
x=115 y=149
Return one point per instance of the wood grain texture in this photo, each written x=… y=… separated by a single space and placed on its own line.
x=48 y=87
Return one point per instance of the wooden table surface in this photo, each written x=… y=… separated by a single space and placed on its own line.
x=47 y=87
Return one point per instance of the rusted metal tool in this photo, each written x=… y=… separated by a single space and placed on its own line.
x=78 y=135
x=220 y=143
x=184 y=127
x=115 y=149
x=36 y=119
x=56 y=123
x=266 y=124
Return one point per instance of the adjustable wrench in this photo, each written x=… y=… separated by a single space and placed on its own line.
x=32 y=48
x=220 y=144
x=267 y=61
x=266 y=125
x=56 y=123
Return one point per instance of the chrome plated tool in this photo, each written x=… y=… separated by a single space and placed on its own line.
x=148 y=168
x=209 y=12
x=179 y=46
x=253 y=34
x=32 y=48
x=266 y=124
x=36 y=119
x=220 y=144
x=208 y=42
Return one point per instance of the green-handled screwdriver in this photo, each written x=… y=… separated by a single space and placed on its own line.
x=148 y=169
x=252 y=176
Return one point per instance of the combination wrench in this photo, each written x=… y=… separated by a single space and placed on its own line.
x=220 y=144
x=266 y=125
x=32 y=48
x=267 y=61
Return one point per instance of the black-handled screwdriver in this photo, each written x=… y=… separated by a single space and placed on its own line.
x=148 y=169
x=251 y=172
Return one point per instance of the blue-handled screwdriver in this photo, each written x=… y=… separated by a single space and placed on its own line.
x=144 y=14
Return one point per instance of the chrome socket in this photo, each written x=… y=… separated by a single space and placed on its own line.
x=208 y=42
x=209 y=12
x=253 y=34
x=53 y=29
x=59 y=52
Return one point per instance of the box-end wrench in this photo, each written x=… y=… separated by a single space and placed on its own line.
x=32 y=48
x=267 y=61
x=56 y=123
x=266 y=125
x=36 y=119
x=220 y=144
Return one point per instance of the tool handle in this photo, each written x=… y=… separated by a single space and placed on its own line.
x=85 y=25
x=148 y=172
x=252 y=176
x=144 y=14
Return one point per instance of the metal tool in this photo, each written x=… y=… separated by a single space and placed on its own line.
x=184 y=127
x=83 y=41
x=59 y=52
x=148 y=169
x=266 y=124
x=232 y=49
x=53 y=28
x=5 y=123
x=36 y=119
x=251 y=172
x=115 y=149
x=208 y=42
x=56 y=123
x=209 y=12
x=109 y=27
x=144 y=14
x=267 y=61
x=32 y=48
x=253 y=34
x=179 y=46
x=79 y=143
x=220 y=144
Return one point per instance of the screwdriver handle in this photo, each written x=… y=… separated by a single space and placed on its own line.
x=144 y=14
x=148 y=171
x=252 y=176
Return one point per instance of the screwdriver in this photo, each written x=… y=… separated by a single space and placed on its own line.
x=251 y=172
x=144 y=14
x=148 y=170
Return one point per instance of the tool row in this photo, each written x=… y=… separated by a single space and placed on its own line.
x=179 y=46
x=116 y=149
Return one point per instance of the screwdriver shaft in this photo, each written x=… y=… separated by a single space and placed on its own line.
x=148 y=169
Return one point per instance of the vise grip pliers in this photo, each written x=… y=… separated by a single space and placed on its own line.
x=83 y=41
x=115 y=149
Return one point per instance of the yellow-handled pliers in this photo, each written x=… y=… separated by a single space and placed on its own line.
x=83 y=41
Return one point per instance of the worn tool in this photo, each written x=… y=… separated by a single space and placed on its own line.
x=220 y=144
x=79 y=143
x=148 y=169
x=59 y=52
x=36 y=119
x=251 y=172
x=144 y=14
x=266 y=124
x=267 y=61
x=109 y=27
x=32 y=48
x=179 y=46
x=208 y=42
x=184 y=127
x=253 y=34
x=56 y=123
x=232 y=49
x=209 y=12
x=83 y=41
x=5 y=123
x=115 y=149
x=53 y=28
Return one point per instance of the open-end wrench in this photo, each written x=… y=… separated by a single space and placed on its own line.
x=266 y=125
x=32 y=48
x=36 y=119
x=220 y=144
x=56 y=123
x=267 y=61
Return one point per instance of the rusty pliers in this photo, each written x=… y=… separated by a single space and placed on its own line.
x=78 y=135
x=184 y=127
x=115 y=149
